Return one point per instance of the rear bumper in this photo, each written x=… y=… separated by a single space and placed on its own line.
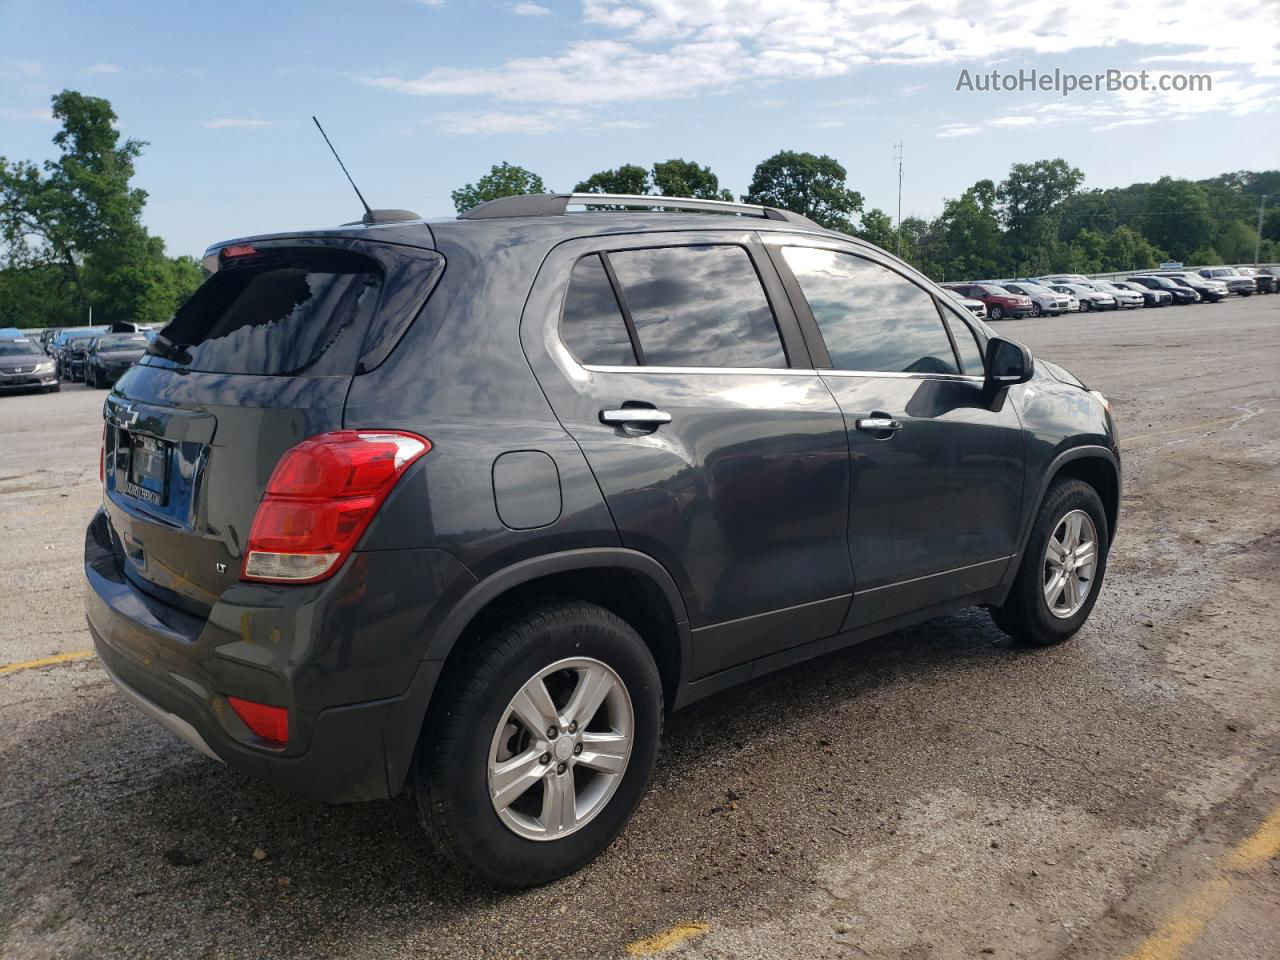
x=179 y=670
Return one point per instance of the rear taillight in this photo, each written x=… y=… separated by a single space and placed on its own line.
x=319 y=500
x=267 y=722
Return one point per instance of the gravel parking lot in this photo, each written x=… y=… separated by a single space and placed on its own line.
x=931 y=794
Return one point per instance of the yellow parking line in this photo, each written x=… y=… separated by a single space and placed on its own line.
x=667 y=940
x=46 y=661
x=1184 y=926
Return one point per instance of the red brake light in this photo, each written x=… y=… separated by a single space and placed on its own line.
x=238 y=250
x=269 y=723
x=319 y=500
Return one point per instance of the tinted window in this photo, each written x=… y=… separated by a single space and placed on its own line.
x=698 y=307
x=289 y=313
x=870 y=317
x=592 y=325
x=123 y=341
x=966 y=346
x=17 y=348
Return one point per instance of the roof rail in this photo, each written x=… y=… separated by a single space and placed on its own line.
x=556 y=204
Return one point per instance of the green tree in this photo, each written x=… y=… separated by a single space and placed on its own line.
x=1235 y=241
x=1126 y=249
x=61 y=212
x=684 y=178
x=503 y=180
x=1205 y=257
x=877 y=228
x=627 y=179
x=966 y=240
x=806 y=184
x=1271 y=224
x=1029 y=200
x=72 y=232
x=1176 y=217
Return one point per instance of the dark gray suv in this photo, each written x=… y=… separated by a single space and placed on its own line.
x=464 y=508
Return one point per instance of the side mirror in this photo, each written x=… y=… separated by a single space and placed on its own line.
x=1008 y=363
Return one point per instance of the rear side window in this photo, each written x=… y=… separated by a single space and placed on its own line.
x=698 y=306
x=288 y=313
x=871 y=318
x=592 y=325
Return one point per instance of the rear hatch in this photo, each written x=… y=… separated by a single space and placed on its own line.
x=260 y=358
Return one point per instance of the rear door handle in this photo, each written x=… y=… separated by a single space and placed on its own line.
x=878 y=424
x=634 y=416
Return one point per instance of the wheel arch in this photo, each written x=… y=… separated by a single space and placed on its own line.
x=1097 y=466
x=631 y=584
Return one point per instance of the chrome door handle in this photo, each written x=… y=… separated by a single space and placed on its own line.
x=628 y=416
x=878 y=424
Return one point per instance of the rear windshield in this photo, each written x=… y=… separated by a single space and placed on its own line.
x=123 y=341
x=286 y=313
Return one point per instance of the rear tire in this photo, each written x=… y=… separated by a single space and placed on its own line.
x=995 y=312
x=476 y=727
x=1026 y=615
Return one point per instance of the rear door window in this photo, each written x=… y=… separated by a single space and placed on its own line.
x=282 y=313
x=698 y=306
x=871 y=318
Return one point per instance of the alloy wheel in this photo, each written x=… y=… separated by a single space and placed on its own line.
x=1070 y=562
x=560 y=749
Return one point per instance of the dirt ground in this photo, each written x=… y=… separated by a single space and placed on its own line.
x=930 y=794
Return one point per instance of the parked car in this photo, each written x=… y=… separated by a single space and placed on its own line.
x=1211 y=291
x=1150 y=297
x=1044 y=302
x=1000 y=303
x=1265 y=282
x=1180 y=292
x=476 y=546
x=1090 y=299
x=73 y=356
x=976 y=307
x=1060 y=278
x=58 y=345
x=1125 y=299
x=1235 y=281
x=112 y=354
x=23 y=366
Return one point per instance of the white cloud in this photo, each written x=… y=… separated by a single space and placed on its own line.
x=434 y=4
x=959 y=129
x=103 y=68
x=498 y=121
x=829 y=122
x=666 y=49
x=531 y=10
x=43 y=114
x=246 y=123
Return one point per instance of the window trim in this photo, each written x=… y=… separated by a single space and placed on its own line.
x=809 y=324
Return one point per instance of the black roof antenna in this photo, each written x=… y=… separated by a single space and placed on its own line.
x=371 y=216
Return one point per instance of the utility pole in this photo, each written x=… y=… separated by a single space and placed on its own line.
x=1257 y=241
x=897 y=155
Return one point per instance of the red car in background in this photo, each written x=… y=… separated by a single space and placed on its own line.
x=1000 y=302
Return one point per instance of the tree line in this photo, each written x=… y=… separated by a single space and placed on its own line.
x=1037 y=220
x=71 y=235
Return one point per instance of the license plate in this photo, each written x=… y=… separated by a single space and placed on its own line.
x=148 y=470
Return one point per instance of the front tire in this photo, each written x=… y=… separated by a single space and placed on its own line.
x=1037 y=310
x=1062 y=568
x=541 y=744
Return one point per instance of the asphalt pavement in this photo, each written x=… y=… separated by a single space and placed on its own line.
x=934 y=793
